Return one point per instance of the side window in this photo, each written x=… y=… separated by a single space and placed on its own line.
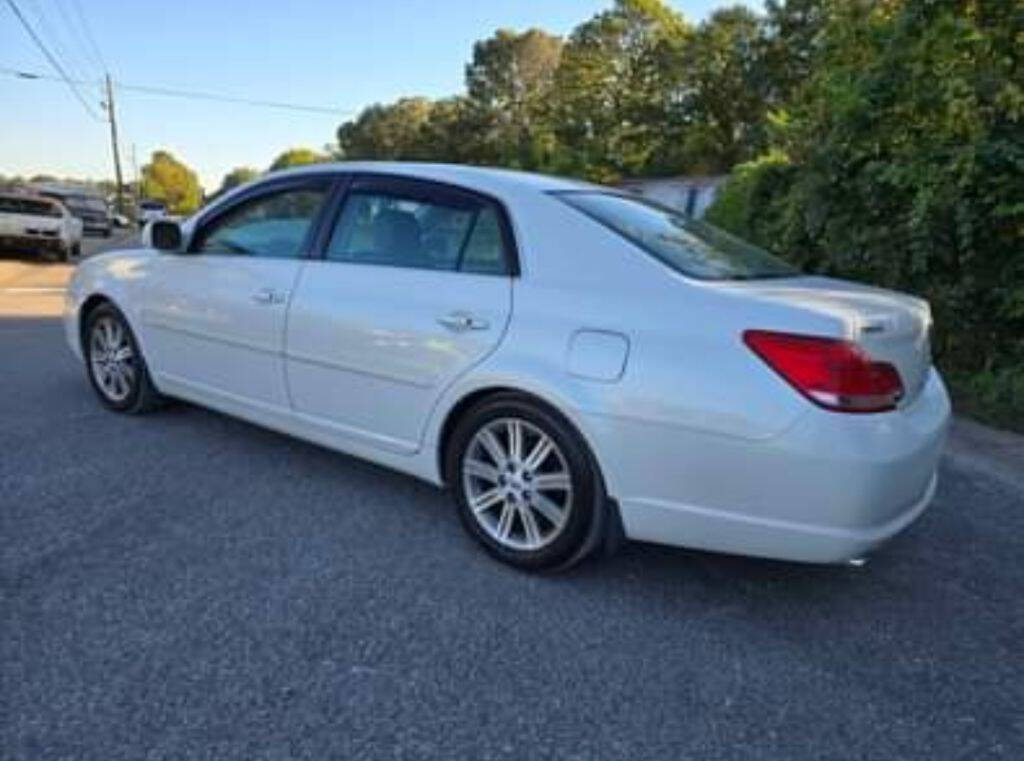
x=485 y=249
x=398 y=231
x=274 y=225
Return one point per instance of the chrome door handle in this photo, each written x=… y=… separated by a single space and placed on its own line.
x=269 y=296
x=462 y=321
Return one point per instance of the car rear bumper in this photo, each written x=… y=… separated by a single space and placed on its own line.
x=828 y=489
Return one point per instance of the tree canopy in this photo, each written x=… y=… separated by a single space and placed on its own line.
x=238 y=176
x=296 y=157
x=166 y=179
x=635 y=90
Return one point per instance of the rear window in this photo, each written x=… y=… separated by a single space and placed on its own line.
x=79 y=203
x=690 y=246
x=89 y=203
x=35 y=207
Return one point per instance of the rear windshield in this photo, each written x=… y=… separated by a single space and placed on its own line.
x=690 y=246
x=35 y=207
x=89 y=203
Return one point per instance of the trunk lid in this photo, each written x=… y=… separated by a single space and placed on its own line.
x=891 y=327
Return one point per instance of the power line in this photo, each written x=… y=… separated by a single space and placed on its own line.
x=89 y=35
x=53 y=61
x=77 y=32
x=54 y=37
x=193 y=95
x=230 y=99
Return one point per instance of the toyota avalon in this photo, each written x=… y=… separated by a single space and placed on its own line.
x=573 y=363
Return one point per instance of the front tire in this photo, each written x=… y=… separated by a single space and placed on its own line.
x=525 y=484
x=114 y=363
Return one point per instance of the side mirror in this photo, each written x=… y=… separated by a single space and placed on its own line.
x=164 y=235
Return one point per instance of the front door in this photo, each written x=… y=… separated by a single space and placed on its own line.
x=414 y=288
x=215 y=315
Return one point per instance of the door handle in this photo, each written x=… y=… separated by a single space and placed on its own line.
x=269 y=296
x=459 y=322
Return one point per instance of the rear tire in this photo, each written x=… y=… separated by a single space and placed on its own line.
x=524 y=483
x=115 y=365
x=70 y=254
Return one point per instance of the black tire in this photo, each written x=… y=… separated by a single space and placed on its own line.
x=70 y=254
x=142 y=396
x=580 y=531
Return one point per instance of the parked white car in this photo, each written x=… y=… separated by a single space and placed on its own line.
x=571 y=361
x=40 y=226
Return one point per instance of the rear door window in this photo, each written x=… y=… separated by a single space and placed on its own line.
x=419 y=229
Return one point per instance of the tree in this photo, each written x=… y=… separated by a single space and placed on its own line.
x=907 y=157
x=296 y=157
x=168 y=180
x=508 y=82
x=794 y=38
x=449 y=134
x=237 y=176
x=387 y=132
x=726 y=102
x=619 y=88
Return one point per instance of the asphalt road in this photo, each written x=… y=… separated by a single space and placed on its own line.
x=186 y=586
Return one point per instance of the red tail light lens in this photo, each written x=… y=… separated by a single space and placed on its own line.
x=834 y=374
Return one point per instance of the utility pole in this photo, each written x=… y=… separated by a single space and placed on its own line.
x=113 y=141
x=135 y=174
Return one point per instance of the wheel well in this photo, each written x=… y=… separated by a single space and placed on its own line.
x=457 y=412
x=83 y=315
x=607 y=530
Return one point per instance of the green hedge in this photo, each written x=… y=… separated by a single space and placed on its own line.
x=905 y=169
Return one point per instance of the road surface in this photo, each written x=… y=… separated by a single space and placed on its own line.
x=183 y=585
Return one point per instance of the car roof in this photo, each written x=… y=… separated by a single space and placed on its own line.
x=28 y=197
x=65 y=190
x=484 y=179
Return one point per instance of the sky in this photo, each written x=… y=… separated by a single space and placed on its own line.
x=338 y=54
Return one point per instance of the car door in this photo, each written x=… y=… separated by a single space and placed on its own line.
x=413 y=287
x=215 y=314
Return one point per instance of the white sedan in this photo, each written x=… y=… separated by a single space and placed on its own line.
x=39 y=224
x=575 y=364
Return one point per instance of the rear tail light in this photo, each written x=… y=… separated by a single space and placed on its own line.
x=835 y=374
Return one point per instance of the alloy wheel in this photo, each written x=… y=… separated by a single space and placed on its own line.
x=517 y=483
x=112 y=359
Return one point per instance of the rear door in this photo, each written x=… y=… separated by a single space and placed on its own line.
x=414 y=287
